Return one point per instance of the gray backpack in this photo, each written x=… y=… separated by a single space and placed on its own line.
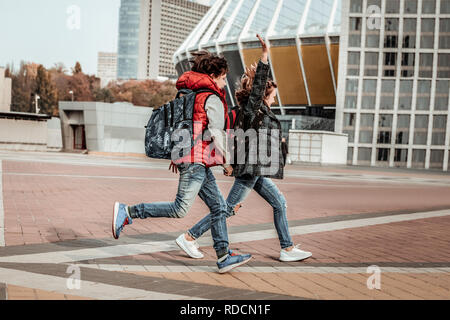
x=178 y=114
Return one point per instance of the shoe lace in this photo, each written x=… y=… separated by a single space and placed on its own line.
x=232 y=254
x=297 y=246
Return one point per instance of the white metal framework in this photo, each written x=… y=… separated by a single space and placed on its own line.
x=201 y=37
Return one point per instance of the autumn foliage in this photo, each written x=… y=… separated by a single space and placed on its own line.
x=55 y=84
x=144 y=93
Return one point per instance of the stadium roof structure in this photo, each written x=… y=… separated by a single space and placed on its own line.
x=303 y=30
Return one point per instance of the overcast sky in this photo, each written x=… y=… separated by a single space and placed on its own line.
x=47 y=31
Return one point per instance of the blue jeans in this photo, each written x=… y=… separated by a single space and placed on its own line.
x=240 y=190
x=195 y=180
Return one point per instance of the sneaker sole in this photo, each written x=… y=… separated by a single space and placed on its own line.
x=231 y=267
x=182 y=247
x=295 y=259
x=114 y=219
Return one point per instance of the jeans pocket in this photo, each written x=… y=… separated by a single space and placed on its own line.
x=191 y=168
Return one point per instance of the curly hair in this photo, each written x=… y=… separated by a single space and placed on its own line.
x=208 y=63
x=245 y=85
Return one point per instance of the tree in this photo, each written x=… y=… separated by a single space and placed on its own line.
x=45 y=89
x=54 y=85
x=81 y=86
x=60 y=80
x=22 y=87
x=77 y=69
x=148 y=93
x=8 y=72
x=58 y=68
x=103 y=95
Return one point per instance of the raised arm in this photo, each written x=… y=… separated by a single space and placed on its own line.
x=260 y=79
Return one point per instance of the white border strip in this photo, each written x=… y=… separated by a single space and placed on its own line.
x=123 y=250
x=88 y=289
x=284 y=269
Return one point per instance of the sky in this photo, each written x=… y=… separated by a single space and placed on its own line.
x=53 y=31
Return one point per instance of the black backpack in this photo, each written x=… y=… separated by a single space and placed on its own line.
x=175 y=115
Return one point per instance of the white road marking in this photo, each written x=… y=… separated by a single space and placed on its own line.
x=165 y=246
x=87 y=289
x=310 y=184
x=300 y=269
x=145 y=163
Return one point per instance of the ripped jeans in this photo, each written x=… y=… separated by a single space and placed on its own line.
x=240 y=190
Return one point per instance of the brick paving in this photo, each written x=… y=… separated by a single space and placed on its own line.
x=55 y=205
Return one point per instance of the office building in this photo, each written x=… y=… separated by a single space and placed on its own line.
x=106 y=67
x=150 y=31
x=394 y=78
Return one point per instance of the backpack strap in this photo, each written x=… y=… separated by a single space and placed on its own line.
x=232 y=116
x=184 y=92
x=208 y=90
x=205 y=91
x=189 y=91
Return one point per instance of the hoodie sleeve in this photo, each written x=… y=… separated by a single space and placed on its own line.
x=215 y=112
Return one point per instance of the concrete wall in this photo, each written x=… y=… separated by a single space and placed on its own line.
x=5 y=92
x=320 y=147
x=25 y=135
x=334 y=149
x=54 y=135
x=117 y=128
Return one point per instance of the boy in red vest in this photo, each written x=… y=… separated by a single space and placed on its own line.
x=196 y=178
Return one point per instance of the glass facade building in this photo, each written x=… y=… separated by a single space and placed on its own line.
x=128 y=44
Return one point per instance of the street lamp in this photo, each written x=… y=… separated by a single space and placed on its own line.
x=71 y=92
x=36 y=103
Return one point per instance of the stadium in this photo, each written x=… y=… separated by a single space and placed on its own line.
x=303 y=37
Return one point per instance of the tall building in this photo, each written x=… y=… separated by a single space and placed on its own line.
x=129 y=35
x=393 y=97
x=107 y=67
x=150 y=31
x=5 y=92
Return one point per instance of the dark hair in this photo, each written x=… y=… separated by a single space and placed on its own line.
x=242 y=94
x=208 y=63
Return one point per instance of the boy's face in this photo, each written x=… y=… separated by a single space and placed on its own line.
x=221 y=80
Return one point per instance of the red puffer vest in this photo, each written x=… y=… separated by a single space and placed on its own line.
x=203 y=151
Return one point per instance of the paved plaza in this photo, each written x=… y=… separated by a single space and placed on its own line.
x=375 y=233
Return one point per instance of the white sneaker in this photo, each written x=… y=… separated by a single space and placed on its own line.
x=190 y=247
x=294 y=255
